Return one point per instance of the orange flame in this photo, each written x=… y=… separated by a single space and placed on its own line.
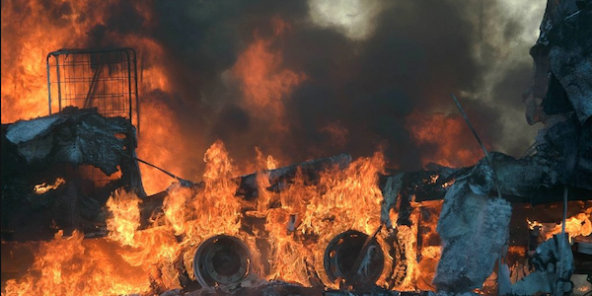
x=148 y=254
x=577 y=225
x=44 y=187
x=211 y=211
x=265 y=84
x=126 y=217
x=425 y=219
x=445 y=133
x=73 y=266
x=340 y=200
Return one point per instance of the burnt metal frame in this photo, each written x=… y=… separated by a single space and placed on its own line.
x=132 y=89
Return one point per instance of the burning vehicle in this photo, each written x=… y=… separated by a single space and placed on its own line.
x=93 y=202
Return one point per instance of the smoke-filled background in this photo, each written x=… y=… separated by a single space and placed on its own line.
x=298 y=79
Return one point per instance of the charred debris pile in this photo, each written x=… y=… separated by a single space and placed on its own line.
x=75 y=159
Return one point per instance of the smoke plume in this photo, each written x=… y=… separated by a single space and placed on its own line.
x=302 y=79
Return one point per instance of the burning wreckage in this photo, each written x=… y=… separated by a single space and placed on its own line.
x=332 y=226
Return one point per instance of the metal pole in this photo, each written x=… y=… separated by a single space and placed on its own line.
x=487 y=156
x=59 y=84
x=48 y=83
x=136 y=83
x=129 y=84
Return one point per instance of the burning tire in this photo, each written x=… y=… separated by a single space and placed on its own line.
x=341 y=255
x=222 y=261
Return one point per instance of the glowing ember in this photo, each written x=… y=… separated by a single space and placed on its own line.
x=44 y=187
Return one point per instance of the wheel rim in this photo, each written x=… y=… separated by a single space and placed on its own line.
x=341 y=253
x=221 y=261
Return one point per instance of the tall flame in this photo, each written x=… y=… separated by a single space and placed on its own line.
x=342 y=200
x=300 y=221
x=126 y=217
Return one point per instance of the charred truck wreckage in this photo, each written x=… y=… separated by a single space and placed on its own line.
x=76 y=216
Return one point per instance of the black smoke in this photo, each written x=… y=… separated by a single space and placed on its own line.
x=419 y=52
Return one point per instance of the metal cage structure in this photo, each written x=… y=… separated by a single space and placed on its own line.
x=106 y=79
